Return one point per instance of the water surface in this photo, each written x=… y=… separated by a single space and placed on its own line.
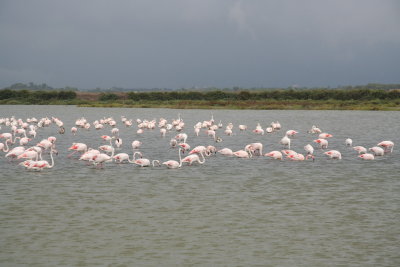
x=226 y=212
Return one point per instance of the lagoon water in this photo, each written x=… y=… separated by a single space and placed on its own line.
x=226 y=212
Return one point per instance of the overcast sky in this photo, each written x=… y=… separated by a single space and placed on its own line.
x=186 y=43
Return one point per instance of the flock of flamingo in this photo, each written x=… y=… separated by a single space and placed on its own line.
x=20 y=136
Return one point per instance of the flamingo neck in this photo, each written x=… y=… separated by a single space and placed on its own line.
x=7 y=147
x=52 y=159
x=180 y=157
x=204 y=159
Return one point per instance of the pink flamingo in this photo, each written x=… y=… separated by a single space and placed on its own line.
x=285 y=141
x=45 y=144
x=173 y=164
x=136 y=144
x=15 y=152
x=288 y=152
x=291 y=133
x=198 y=149
x=181 y=137
x=254 y=147
x=367 y=156
x=324 y=135
x=226 y=151
x=29 y=154
x=309 y=149
x=77 y=147
x=4 y=147
x=360 y=149
x=8 y=136
x=74 y=130
x=43 y=164
x=274 y=154
x=121 y=157
x=194 y=158
x=333 y=154
x=88 y=155
x=388 y=145
x=296 y=157
x=184 y=146
x=100 y=159
x=24 y=141
x=377 y=151
x=323 y=143
x=143 y=162
x=243 y=154
x=210 y=150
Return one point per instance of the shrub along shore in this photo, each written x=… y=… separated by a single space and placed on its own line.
x=287 y=99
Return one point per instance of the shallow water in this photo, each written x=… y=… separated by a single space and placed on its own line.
x=226 y=212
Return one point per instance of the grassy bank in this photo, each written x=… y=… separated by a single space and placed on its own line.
x=254 y=104
x=264 y=100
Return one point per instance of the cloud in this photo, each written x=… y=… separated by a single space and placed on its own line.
x=238 y=15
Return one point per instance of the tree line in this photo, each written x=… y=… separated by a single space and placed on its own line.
x=36 y=95
x=284 y=94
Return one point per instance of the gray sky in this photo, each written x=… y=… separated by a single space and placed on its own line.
x=185 y=43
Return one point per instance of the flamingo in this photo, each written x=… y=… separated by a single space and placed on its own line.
x=309 y=149
x=243 y=154
x=226 y=151
x=43 y=164
x=323 y=143
x=118 y=142
x=288 y=152
x=377 y=151
x=29 y=154
x=242 y=127
x=181 y=137
x=163 y=132
x=291 y=133
x=74 y=130
x=198 y=149
x=100 y=159
x=274 y=154
x=142 y=162
x=348 y=142
x=315 y=130
x=194 y=158
x=4 y=146
x=173 y=164
x=296 y=157
x=255 y=147
x=184 y=146
x=7 y=136
x=285 y=141
x=88 y=155
x=77 y=147
x=258 y=131
x=333 y=154
x=210 y=150
x=388 y=145
x=136 y=144
x=45 y=144
x=324 y=135
x=15 y=152
x=367 y=156
x=360 y=149
x=121 y=157
x=196 y=130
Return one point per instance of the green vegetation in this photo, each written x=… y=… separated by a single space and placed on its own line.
x=8 y=96
x=369 y=97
